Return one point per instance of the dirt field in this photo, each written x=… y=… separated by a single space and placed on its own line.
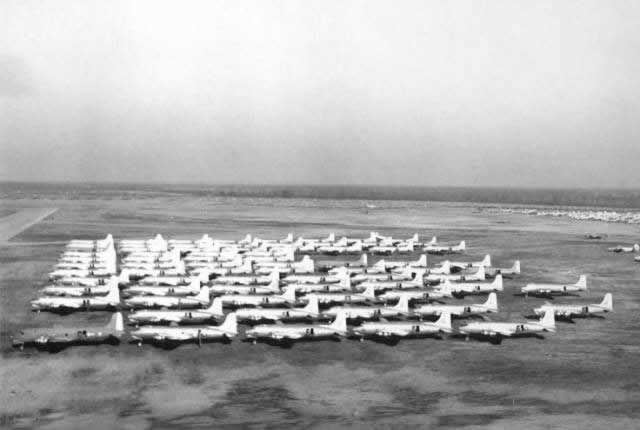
x=587 y=375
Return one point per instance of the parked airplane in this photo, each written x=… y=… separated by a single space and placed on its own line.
x=490 y=306
x=486 y=262
x=194 y=316
x=393 y=331
x=196 y=301
x=271 y=288
x=492 y=272
x=478 y=276
x=61 y=337
x=287 y=333
x=441 y=250
x=155 y=290
x=555 y=289
x=469 y=288
x=367 y=295
x=495 y=331
x=310 y=311
x=569 y=312
x=370 y=312
x=78 y=291
x=69 y=304
x=343 y=285
x=172 y=336
x=239 y=300
x=620 y=248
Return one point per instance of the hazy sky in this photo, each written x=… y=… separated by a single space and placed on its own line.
x=506 y=93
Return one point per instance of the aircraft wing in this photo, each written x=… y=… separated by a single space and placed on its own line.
x=177 y=336
x=284 y=335
x=393 y=333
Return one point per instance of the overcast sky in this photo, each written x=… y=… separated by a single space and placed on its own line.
x=496 y=93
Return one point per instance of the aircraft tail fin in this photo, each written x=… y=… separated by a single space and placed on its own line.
x=114 y=292
x=194 y=284
x=497 y=283
x=444 y=322
x=548 y=320
x=462 y=246
x=216 y=306
x=289 y=238
x=332 y=237
x=369 y=292
x=481 y=273
x=116 y=323
x=422 y=261
x=203 y=295
x=230 y=324
x=289 y=293
x=312 y=307
x=486 y=262
x=364 y=260
x=446 y=287
x=433 y=241
x=582 y=282
x=346 y=280
x=340 y=323
x=124 y=276
x=274 y=284
x=446 y=267
x=403 y=304
x=607 y=302
x=516 y=267
x=492 y=302
x=415 y=238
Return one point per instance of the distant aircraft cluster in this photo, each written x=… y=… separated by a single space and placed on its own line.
x=178 y=290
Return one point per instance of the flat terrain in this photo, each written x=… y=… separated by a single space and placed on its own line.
x=587 y=375
x=15 y=222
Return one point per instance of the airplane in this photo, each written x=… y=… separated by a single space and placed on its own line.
x=405 y=248
x=486 y=262
x=240 y=300
x=409 y=274
x=467 y=288
x=304 y=279
x=382 y=250
x=155 y=290
x=620 y=248
x=378 y=285
x=418 y=294
x=146 y=316
x=478 y=276
x=78 y=291
x=172 y=336
x=510 y=272
x=569 y=312
x=367 y=295
x=392 y=332
x=370 y=312
x=555 y=289
x=81 y=273
x=271 y=288
x=197 y=301
x=441 y=250
x=495 y=331
x=57 y=338
x=70 y=304
x=490 y=306
x=343 y=285
x=310 y=311
x=288 y=333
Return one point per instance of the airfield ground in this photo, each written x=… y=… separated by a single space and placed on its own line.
x=587 y=375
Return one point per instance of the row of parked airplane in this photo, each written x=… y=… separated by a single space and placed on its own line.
x=635 y=248
x=184 y=296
